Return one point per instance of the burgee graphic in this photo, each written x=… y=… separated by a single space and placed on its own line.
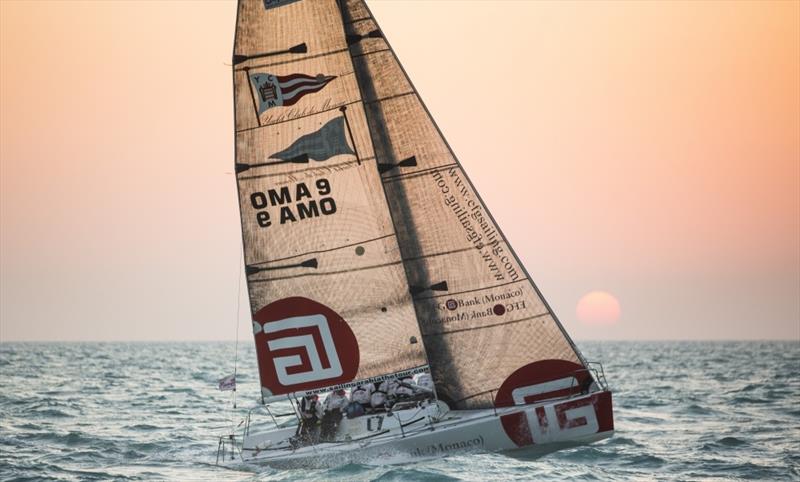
x=284 y=90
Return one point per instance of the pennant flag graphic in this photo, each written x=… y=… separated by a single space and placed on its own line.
x=276 y=3
x=284 y=90
x=228 y=383
x=321 y=145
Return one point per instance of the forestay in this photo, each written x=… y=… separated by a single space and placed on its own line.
x=328 y=290
x=486 y=327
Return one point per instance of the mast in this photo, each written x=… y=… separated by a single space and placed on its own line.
x=487 y=328
x=328 y=292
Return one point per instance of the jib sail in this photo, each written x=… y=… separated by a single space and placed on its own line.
x=327 y=285
x=490 y=336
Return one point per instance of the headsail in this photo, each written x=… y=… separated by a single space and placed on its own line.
x=328 y=291
x=490 y=336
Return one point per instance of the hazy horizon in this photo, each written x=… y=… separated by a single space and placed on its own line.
x=650 y=150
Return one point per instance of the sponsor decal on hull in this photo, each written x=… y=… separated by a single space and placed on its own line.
x=443 y=448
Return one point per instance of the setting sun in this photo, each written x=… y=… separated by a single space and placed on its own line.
x=598 y=308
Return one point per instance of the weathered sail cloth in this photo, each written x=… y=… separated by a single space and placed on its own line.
x=328 y=290
x=482 y=318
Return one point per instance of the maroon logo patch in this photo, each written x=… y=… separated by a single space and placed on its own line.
x=541 y=380
x=303 y=345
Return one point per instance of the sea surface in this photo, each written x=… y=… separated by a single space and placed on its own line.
x=152 y=411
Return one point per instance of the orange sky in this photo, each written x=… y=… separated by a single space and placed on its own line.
x=647 y=149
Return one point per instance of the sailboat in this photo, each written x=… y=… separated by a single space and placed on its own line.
x=371 y=259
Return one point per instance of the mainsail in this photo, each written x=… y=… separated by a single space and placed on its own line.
x=366 y=245
x=328 y=290
x=486 y=327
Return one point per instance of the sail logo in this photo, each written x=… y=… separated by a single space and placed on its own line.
x=284 y=364
x=303 y=345
x=551 y=423
x=285 y=90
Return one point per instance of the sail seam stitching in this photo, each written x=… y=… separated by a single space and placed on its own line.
x=246 y=129
x=438 y=333
x=407 y=175
x=325 y=250
x=353 y=270
x=364 y=54
x=274 y=174
x=284 y=62
x=391 y=97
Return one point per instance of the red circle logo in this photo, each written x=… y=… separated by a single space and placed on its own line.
x=302 y=345
x=540 y=380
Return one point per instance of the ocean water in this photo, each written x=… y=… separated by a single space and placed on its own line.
x=151 y=411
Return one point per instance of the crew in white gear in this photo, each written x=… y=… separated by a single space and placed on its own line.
x=404 y=388
x=378 y=399
x=335 y=406
x=389 y=387
x=362 y=394
x=336 y=401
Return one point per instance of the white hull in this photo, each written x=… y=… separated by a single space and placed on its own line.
x=527 y=431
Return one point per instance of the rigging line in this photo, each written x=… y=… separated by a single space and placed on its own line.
x=485 y=392
x=311 y=168
x=325 y=250
x=270 y=124
x=252 y=95
x=439 y=333
x=352 y=270
x=420 y=172
x=364 y=54
x=470 y=291
x=238 y=306
x=284 y=62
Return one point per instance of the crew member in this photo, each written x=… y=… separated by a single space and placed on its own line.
x=378 y=399
x=360 y=400
x=404 y=389
x=335 y=405
x=310 y=415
